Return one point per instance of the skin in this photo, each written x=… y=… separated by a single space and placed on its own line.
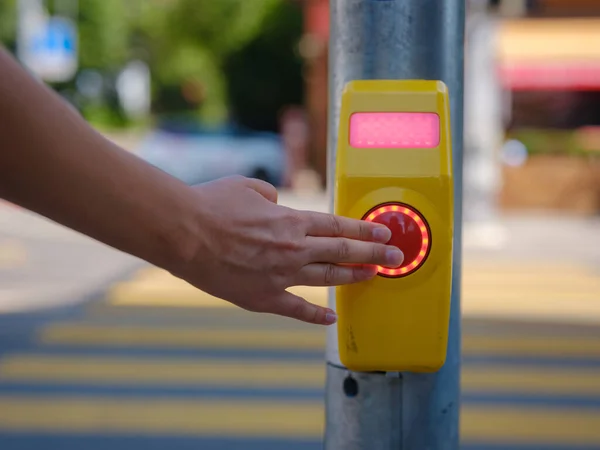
x=228 y=237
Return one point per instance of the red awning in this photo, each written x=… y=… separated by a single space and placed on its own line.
x=547 y=76
x=550 y=54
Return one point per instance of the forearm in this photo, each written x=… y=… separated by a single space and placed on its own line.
x=52 y=162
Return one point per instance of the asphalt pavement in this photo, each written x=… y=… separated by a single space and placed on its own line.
x=98 y=350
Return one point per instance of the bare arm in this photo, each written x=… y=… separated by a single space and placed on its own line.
x=54 y=163
x=228 y=237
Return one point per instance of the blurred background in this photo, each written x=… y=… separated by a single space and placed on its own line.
x=99 y=349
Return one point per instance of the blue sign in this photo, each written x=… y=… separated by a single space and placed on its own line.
x=59 y=37
x=51 y=50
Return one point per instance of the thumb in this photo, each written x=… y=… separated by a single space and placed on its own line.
x=290 y=305
x=265 y=189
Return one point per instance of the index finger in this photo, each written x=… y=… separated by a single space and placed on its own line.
x=331 y=225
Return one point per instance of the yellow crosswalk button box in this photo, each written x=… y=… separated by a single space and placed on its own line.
x=394 y=166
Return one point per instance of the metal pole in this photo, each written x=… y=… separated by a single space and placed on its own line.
x=397 y=39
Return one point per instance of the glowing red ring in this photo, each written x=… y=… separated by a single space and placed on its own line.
x=406 y=268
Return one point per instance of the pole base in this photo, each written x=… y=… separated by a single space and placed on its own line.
x=363 y=410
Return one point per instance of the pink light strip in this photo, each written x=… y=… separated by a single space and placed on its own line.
x=394 y=130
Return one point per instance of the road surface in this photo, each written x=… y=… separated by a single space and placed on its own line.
x=142 y=360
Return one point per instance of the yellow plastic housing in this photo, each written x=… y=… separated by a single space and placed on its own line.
x=397 y=324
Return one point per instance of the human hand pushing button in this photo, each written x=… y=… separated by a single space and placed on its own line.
x=252 y=249
x=228 y=237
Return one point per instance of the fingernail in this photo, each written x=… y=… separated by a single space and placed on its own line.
x=330 y=317
x=381 y=234
x=394 y=257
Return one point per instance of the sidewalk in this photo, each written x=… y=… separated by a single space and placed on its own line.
x=43 y=265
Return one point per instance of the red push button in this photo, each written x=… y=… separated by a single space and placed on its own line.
x=410 y=233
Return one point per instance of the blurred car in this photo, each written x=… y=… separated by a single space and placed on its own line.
x=197 y=154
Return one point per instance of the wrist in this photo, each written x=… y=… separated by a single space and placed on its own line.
x=181 y=236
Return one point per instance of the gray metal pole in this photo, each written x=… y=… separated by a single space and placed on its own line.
x=397 y=39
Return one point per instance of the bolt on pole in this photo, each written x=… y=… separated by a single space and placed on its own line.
x=397 y=39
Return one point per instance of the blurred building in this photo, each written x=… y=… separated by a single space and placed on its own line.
x=314 y=49
x=551 y=47
x=549 y=63
x=547 y=59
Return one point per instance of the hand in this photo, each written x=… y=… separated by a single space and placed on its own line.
x=252 y=249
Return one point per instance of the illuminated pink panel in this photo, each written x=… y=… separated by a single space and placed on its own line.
x=394 y=130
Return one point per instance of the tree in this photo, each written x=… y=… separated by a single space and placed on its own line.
x=190 y=41
x=265 y=75
x=8 y=23
x=206 y=57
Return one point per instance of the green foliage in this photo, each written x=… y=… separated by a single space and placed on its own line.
x=103 y=34
x=191 y=40
x=8 y=22
x=206 y=57
x=266 y=74
x=191 y=63
x=221 y=26
x=545 y=141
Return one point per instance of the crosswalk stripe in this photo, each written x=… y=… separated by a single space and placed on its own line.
x=177 y=293
x=207 y=318
x=171 y=337
x=162 y=371
x=542 y=426
x=507 y=379
x=157 y=416
x=532 y=346
x=527 y=279
x=188 y=296
x=531 y=380
x=298 y=419
x=82 y=334
x=526 y=290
